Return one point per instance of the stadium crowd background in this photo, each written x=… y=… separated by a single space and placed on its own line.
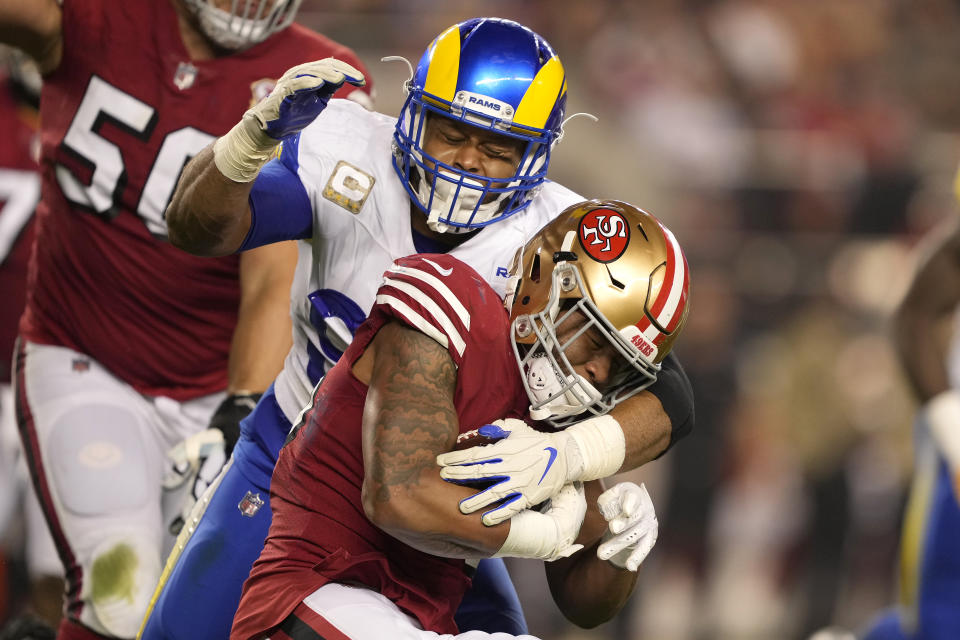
x=798 y=149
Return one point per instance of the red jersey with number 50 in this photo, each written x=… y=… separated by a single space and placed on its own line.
x=19 y=193
x=121 y=115
x=320 y=532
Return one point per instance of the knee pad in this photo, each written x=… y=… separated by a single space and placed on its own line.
x=99 y=459
x=120 y=583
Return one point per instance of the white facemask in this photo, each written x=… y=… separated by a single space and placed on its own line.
x=455 y=207
x=244 y=25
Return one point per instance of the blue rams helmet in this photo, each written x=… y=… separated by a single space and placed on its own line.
x=497 y=75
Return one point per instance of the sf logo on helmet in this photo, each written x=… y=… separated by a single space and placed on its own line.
x=604 y=234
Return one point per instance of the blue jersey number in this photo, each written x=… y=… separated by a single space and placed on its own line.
x=336 y=318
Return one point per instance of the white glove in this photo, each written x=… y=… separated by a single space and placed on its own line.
x=631 y=525
x=297 y=99
x=193 y=465
x=548 y=535
x=528 y=466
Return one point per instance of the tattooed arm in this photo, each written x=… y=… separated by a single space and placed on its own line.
x=409 y=418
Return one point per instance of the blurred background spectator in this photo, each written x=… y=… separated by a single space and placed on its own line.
x=798 y=149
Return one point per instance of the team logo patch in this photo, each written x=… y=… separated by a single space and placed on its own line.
x=250 y=504
x=348 y=187
x=604 y=234
x=260 y=89
x=184 y=76
x=640 y=341
x=643 y=345
x=483 y=104
x=80 y=365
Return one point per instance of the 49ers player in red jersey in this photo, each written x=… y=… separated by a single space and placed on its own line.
x=125 y=340
x=19 y=195
x=367 y=540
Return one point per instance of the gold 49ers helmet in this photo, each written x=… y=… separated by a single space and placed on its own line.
x=622 y=270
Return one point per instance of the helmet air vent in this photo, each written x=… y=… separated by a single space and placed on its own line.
x=613 y=280
x=535 y=267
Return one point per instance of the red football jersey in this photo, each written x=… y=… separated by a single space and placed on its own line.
x=121 y=115
x=19 y=194
x=319 y=532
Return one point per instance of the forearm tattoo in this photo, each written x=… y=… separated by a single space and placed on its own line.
x=414 y=417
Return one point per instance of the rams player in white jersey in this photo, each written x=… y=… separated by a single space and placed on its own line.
x=461 y=171
x=930 y=543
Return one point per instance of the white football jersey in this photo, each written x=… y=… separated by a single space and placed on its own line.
x=361 y=224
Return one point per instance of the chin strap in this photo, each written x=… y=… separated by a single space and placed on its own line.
x=544 y=381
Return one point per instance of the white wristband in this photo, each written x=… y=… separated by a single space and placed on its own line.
x=532 y=535
x=601 y=447
x=242 y=152
x=943 y=415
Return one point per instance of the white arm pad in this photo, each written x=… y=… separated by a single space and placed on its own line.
x=547 y=536
x=943 y=414
x=242 y=152
x=532 y=535
x=601 y=447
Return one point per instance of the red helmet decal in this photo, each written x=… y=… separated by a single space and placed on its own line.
x=604 y=234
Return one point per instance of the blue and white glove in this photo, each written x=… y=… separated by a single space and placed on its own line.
x=631 y=525
x=297 y=99
x=527 y=466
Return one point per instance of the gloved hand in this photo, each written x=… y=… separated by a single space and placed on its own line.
x=192 y=467
x=197 y=461
x=299 y=97
x=631 y=525
x=526 y=465
x=234 y=408
x=548 y=535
